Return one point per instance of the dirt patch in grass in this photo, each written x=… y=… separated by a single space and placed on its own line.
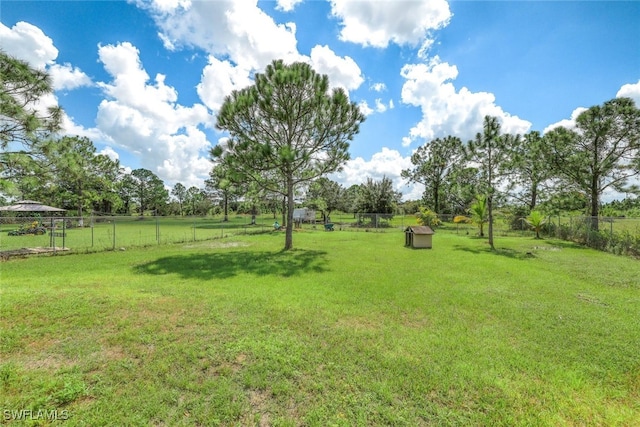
x=217 y=245
x=258 y=413
x=22 y=252
x=48 y=362
x=361 y=323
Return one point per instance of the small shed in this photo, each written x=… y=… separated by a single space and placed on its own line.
x=418 y=236
x=304 y=215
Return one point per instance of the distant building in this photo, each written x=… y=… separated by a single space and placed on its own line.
x=304 y=215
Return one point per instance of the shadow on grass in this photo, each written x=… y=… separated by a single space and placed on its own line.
x=228 y=264
x=566 y=244
x=506 y=252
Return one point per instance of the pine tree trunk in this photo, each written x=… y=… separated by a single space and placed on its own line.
x=490 y=208
x=288 y=240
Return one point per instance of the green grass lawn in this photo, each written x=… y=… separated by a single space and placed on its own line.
x=349 y=328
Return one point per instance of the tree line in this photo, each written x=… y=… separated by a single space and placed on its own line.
x=289 y=131
x=564 y=169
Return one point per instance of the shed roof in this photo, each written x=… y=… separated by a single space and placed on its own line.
x=420 y=229
x=30 y=206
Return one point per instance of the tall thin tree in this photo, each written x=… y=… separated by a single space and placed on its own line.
x=490 y=151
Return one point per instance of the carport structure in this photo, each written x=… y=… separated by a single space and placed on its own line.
x=30 y=206
x=32 y=209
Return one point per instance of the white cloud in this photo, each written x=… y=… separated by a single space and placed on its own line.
x=238 y=30
x=379 y=87
x=566 y=123
x=219 y=79
x=377 y=23
x=631 y=90
x=67 y=77
x=364 y=108
x=342 y=71
x=387 y=162
x=70 y=127
x=143 y=117
x=287 y=5
x=27 y=42
x=110 y=152
x=167 y=5
x=240 y=38
x=381 y=107
x=446 y=111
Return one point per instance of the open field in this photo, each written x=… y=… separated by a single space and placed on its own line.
x=347 y=329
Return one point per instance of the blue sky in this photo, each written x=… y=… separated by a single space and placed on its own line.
x=144 y=79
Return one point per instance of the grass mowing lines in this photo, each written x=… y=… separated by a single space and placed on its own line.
x=347 y=329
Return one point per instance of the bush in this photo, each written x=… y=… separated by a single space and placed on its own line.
x=428 y=217
x=619 y=243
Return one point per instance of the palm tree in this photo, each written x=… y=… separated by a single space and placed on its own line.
x=536 y=220
x=480 y=213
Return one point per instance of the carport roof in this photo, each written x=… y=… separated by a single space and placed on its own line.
x=30 y=206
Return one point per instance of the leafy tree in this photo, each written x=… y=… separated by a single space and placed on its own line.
x=23 y=176
x=325 y=195
x=198 y=201
x=602 y=152
x=462 y=185
x=287 y=129
x=109 y=171
x=490 y=151
x=149 y=191
x=81 y=177
x=274 y=202
x=564 y=200
x=629 y=206
x=192 y=198
x=432 y=166
x=350 y=199
x=204 y=204
x=220 y=186
x=536 y=220
x=410 y=206
x=529 y=169
x=377 y=197
x=179 y=191
x=126 y=189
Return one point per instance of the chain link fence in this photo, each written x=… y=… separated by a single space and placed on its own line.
x=103 y=233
